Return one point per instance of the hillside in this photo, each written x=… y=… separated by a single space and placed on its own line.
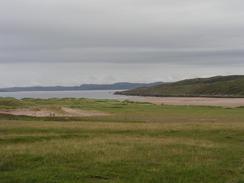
x=115 y=86
x=218 y=86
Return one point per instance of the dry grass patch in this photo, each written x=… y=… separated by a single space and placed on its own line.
x=79 y=144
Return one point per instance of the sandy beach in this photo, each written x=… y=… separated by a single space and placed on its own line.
x=196 y=101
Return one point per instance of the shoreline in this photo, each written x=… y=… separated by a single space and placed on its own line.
x=191 y=101
x=182 y=96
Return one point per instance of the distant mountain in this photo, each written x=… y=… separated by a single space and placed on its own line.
x=218 y=86
x=115 y=86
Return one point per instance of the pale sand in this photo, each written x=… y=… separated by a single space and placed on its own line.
x=49 y=112
x=196 y=101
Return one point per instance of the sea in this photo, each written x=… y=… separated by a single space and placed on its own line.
x=91 y=94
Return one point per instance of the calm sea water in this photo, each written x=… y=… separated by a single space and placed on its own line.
x=93 y=94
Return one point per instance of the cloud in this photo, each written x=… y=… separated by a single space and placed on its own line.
x=44 y=24
x=123 y=32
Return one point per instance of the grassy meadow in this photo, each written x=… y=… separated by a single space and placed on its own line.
x=135 y=143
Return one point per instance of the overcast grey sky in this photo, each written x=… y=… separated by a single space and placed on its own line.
x=69 y=42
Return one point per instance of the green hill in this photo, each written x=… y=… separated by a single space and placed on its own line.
x=218 y=86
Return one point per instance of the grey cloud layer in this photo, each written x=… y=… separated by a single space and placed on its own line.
x=45 y=24
x=177 y=32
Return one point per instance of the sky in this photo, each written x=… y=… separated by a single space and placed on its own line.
x=71 y=42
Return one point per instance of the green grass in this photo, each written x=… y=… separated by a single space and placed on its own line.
x=219 y=86
x=137 y=143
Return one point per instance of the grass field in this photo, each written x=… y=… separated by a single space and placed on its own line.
x=136 y=143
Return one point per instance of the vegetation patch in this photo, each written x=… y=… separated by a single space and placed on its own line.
x=138 y=142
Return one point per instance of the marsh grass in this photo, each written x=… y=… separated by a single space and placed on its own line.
x=138 y=143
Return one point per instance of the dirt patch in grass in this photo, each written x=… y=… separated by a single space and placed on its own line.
x=53 y=112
